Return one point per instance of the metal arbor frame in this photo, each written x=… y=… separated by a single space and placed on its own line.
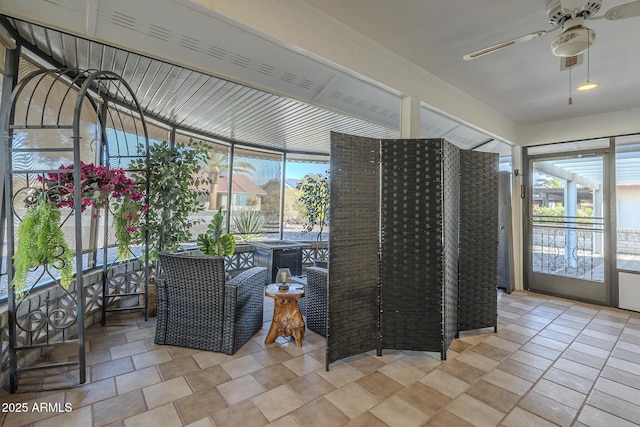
x=40 y=107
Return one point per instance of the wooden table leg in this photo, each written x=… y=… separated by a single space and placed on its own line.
x=287 y=321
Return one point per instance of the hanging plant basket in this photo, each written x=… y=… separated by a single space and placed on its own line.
x=40 y=241
x=100 y=187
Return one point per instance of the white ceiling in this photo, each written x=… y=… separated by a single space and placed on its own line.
x=231 y=39
x=523 y=81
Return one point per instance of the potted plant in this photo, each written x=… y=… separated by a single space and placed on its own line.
x=213 y=242
x=315 y=199
x=174 y=186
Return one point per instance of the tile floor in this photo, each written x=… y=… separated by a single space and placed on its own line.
x=552 y=362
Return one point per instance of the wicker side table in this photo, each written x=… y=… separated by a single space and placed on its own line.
x=287 y=318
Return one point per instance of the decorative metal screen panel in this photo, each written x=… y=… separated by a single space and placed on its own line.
x=478 y=240
x=353 y=296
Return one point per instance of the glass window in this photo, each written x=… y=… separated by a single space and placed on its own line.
x=628 y=202
x=216 y=170
x=294 y=217
x=257 y=190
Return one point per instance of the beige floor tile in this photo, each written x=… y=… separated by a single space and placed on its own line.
x=91 y=392
x=366 y=420
x=128 y=349
x=137 y=379
x=496 y=397
x=531 y=359
x=26 y=414
x=110 y=369
x=478 y=360
x=164 y=415
x=405 y=375
x=244 y=414
x=593 y=351
x=271 y=356
x=560 y=393
x=540 y=350
x=141 y=334
x=462 y=370
x=490 y=351
x=206 y=378
x=379 y=385
x=206 y=359
x=508 y=382
x=341 y=375
x=521 y=330
x=614 y=405
x=445 y=418
x=424 y=398
x=205 y=422
x=240 y=389
x=556 y=336
x=303 y=364
x=76 y=417
x=365 y=363
x=445 y=383
x=584 y=358
x=320 y=412
x=549 y=409
x=594 y=417
x=118 y=407
x=352 y=399
x=287 y=421
x=474 y=411
x=311 y=386
x=199 y=405
x=599 y=335
x=521 y=418
x=273 y=376
x=502 y=343
x=166 y=391
x=177 y=367
x=549 y=343
x=150 y=358
x=624 y=365
x=277 y=402
x=241 y=366
x=577 y=368
x=574 y=382
x=397 y=412
x=621 y=391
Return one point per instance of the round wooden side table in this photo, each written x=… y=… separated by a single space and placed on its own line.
x=287 y=319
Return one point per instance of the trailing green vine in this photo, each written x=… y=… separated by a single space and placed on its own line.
x=40 y=241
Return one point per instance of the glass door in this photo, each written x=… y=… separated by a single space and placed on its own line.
x=566 y=249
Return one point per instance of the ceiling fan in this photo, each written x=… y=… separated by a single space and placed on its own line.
x=569 y=15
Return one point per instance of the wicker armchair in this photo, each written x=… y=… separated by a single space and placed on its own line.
x=197 y=309
x=316 y=296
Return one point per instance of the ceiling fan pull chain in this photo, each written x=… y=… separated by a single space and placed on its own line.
x=570 y=99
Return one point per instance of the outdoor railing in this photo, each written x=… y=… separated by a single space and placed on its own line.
x=568 y=246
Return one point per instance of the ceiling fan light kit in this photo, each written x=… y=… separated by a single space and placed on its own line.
x=573 y=41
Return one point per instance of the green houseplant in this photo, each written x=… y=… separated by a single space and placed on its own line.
x=174 y=186
x=40 y=241
x=315 y=199
x=213 y=242
x=248 y=224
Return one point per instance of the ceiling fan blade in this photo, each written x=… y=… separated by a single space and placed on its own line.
x=628 y=10
x=499 y=46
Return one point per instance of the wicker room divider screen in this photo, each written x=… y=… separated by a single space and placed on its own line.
x=399 y=209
